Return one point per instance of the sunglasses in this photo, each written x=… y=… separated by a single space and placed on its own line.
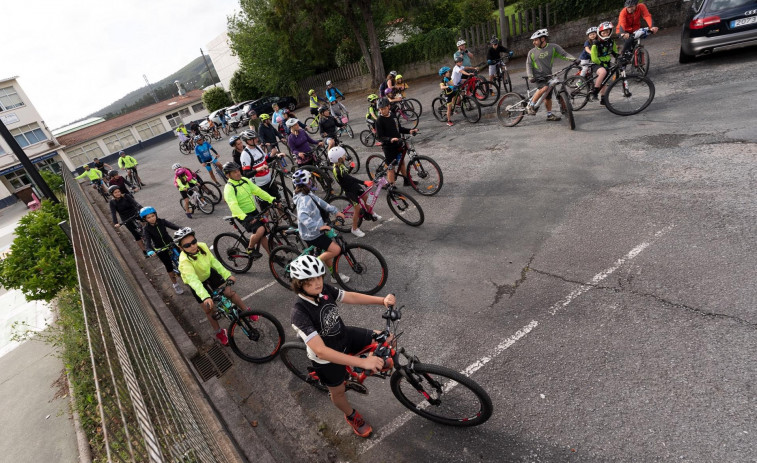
x=189 y=244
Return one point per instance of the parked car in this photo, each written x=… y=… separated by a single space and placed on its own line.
x=265 y=105
x=713 y=24
x=213 y=117
x=235 y=114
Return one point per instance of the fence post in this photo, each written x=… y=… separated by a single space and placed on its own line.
x=520 y=21
x=547 y=13
x=541 y=18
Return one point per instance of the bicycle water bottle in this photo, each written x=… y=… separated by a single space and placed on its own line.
x=331 y=233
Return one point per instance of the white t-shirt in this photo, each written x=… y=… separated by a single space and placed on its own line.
x=457 y=75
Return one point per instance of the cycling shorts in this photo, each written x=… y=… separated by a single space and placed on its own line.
x=333 y=374
x=543 y=82
x=322 y=242
x=492 y=69
x=314 y=111
x=165 y=257
x=251 y=222
x=215 y=280
x=132 y=227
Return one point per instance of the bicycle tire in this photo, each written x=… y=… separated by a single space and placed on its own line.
x=342 y=203
x=231 y=250
x=439 y=109
x=352 y=159
x=321 y=180
x=488 y=88
x=424 y=174
x=508 y=113
x=578 y=91
x=367 y=274
x=403 y=205
x=212 y=191
x=415 y=105
x=507 y=83
x=277 y=237
x=471 y=109
x=257 y=341
x=411 y=117
x=367 y=138
x=565 y=109
x=641 y=60
x=220 y=172
x=348 y=129
x=614 y=101
x=295 y=358
x=570 y=71
x=373 y=164
x=205 y=205
x=310 y=126
x=183 y=149
x=278 y=263
x=416 y=399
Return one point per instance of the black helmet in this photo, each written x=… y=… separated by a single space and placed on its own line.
x=494 y=40
x=233 y=140
x=113 y=188
x=112 y=173
x=323 y=109
x=631 y=3
x=383 y=102
x=230 y=166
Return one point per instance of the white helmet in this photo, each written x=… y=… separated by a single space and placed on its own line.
x=336 y=153
x=176 y=166
x=540 y=33
x=460 y=42
x=590 y=30
x=292 y=122
x=328 y=82
x=300 y=177
x=393 y=73
x=305 y=267
x=181 y=233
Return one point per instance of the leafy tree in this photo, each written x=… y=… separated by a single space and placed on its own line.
x=215 y=98
x=41 y=260
x=242 y=87
x=54 y=181
x=472 y=12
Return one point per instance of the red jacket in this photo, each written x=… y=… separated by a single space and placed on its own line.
x=632 y=22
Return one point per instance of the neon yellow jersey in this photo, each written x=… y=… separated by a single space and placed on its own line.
x=127 y=162
x=314 y=101
x=92 y=174
x=196 y=269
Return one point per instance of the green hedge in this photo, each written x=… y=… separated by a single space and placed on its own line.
x=568 y=10
x=430 y=46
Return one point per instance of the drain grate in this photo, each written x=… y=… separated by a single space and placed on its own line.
x=212 y=363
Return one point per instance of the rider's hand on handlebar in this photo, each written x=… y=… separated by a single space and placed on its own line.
x=413 y=131
x=232 y=279
x=654 y=29
x=389 y=299
x=372 y=363
x=150 y=253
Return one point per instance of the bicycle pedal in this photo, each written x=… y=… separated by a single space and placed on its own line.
x=357 y=387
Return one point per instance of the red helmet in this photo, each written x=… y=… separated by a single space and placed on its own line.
x=605 y=26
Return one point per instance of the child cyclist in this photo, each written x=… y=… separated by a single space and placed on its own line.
x=352 y=188
x=585 y=56
x=315 y=318
x=448 y=91
x=203 y=273
x=155 y=235
x=602 y=52
x=372 y=115
x=183 y=179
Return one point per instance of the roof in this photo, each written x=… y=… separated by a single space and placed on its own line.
x=77 y=126
x=8 y=78
x=97 y=130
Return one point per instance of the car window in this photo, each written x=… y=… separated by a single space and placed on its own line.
x=720 y=5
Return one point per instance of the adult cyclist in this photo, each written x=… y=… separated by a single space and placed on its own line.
x=332 y=92
x=494 y=55
x=202 y=150
x=462 y=52
x=129 y=163
x=629 y=22
x=539 y=68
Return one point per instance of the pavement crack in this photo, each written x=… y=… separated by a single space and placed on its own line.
x=509 y=289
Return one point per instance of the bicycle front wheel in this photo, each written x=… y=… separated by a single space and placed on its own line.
x=425 y=175
x=507 y=84
x=352 y=160
x=231 y=251
x=205 y=205
x=439 y=109
x=295 y=358
x=409 y=118
x=367 y=138
x=349 y=131
x=364 y=266
x=486 y=93
x=565 y=109
x=629 y=95
x=442 y=395
x=405 y=207
x=415 y=105
x=578 y=91
x=373 y=164
x=183 y=148
x=212 y=191
x=641 y=60
x=511 y=109
x=256 y=336
x=311 y=126
x=279 y=261
x=471 y=109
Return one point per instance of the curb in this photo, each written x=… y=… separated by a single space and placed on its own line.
x=82 y=442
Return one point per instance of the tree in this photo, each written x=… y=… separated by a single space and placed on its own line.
x=41 y=260
x=242 y=87
x=215 y=98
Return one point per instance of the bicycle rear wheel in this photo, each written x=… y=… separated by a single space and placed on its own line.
x=364 y=266
x=415 y=105
x=295 y=358
x=570 y=71
x=256 y=336
x=373 y=164
x=511 y=109
x=205 y=205
x=231 y=250
x=367 y=138
x=565 y=109
x=279 y=261
x=409 y=118
x=439 y=109
x=641 y=60
x=471 y=109
x=311 y=126
x=405 y=207
x=352 y=160
x=442 y=395
x=425 y=175
x=629 y=95
x=578 y=91
x=491 y=93
x=212 y=191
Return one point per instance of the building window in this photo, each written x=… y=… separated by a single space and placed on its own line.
x=2 y=151
x=150 y=129
x=185 y=112
x=119 y=140
x=28 y=134
x=18 y=179
x=174 y=120
x=9 y=99
x=198 y=107
x=85 y=154
x=49 y=164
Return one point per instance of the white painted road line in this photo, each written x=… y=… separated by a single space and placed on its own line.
x=258 y=290
x=382 y=223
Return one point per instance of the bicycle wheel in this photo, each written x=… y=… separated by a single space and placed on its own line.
x=507 y=84
x=183 y=148
x=256 y=336
x=364 y=266
x=578 y=91
x=367 y=138
x=352 y=160
x=629 y=95
x=373 y=164
x=641 y=60
x=231 y=250
x=511 y=109
x=220 y=173
x=570 y=71
x=295 y=358
x=565 y=109
x=348 y=130
x=311 y=126
x=321 y=182
x=409 y=117
x=342 y=203
x=491 y=93
x=205 y=205
x=425 y=175
x=278 y=237
x=211 y=191
x=439 y=109
x=405 y=207
x=471 y=109
x=442 y=395
x=278 y=263
x=415 y=105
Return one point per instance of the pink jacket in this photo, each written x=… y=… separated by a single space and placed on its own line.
x=182 y=171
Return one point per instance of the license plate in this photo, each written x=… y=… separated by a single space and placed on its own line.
x=743 y=21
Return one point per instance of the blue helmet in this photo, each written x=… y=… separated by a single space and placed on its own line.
x=444 y=70
x=145 y=211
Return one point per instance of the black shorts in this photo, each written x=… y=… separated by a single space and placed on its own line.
x=333 y=374
x=165 y=257
x=271 y=189
x=132 y=227
x=214 y=281
x=314 y=111
x=322 y=242
x=541 y=83
x=251 y=222
x=184 y=194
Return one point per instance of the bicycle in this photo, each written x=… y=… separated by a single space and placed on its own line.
x=512 y=106
x=639 y=54
x=469 y=106
x=209 y=189
x=501 y=80
x=312 y=124
x=423 y=173
x=262 y=334
x=404 y=112
x=100 y=188
x=320 y=169
x=187 y=146
x=197 y=200
x=133 y=178
x=366 y=266
x=174 y=252
x=210 y=134
x=413 y=105
x=478 y=89
x=368 y=137
x=433 y=392
x=634 y=92
x=346 y=129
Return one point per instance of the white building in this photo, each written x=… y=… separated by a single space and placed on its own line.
x=224 y=61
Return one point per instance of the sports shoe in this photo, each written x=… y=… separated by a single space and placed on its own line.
x=530 y=109
x=254 y=254
x=378 y=143
x=222 y=336
x=345 y=278
x=450 y=123
x=189 y=216
x=602 y=100
x=405 y=182
x=177 y=287
x=358 y=232
x=376 y=217
x=359 y=425
x=553 y=117
x=593 y=96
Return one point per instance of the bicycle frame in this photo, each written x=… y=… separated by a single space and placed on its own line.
x=551 y=84
x=368 y=199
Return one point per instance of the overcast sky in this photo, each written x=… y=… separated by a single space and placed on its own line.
x=77 y=56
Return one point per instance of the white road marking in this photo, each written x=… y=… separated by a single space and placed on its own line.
x=382 y=223
x=258 y=290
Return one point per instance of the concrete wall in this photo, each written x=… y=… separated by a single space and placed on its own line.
x=225 y=63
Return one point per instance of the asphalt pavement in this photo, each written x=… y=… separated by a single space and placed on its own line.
x=597 y=282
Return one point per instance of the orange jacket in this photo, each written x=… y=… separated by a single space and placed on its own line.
x=632 y=22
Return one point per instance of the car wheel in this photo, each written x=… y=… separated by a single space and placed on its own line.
x=291 y=106
x=684 y=57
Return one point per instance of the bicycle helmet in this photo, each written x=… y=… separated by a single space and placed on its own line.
x=311 y=92
x=458 y=58
x=113 y=188
x=145 y=211
x=233 y=140
x=301 y=177
x=181 y=233
x=248 y=135
x=305 y=267
x=444 y=70
x=605 y=26
x=328 y=82
x=631 y=3
x=323 y=109
x=494 y=40
x=198 y=138
x=122 y=153
x=336 y=153
x=176 y=166
x=383 y=102
x=264 y=117
x=540 y=33
x=230 y=166
x=393 y=73
x=292 y=122
x=373 y=97
x=112 y=173
x=399 y=76
x=460 y=42
x=591 y=29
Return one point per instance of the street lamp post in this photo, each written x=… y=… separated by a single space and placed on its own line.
x=30 y=168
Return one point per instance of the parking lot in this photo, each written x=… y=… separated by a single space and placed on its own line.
x=598 y=283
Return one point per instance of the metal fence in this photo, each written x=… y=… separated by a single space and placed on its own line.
x=146 y=411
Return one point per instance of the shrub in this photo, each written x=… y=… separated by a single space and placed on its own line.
x=429 y=46
x=215 y=98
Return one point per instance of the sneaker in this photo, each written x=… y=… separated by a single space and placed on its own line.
x=602 y=100
x=450 y=123
x=345 y=278
x=378 y=143
x=177 y=287
x=358 y=232
x=254 y=254
x=189 y=216
x=222 y=336
x=405 y=182
x=376 y=217
x=593 y=96
x=530 y=109
x=553 y=117
x=359 y=425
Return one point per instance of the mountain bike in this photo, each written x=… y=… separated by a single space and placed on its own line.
x=174 y=252
x=368 y=137
x=323 y=183
x=133 y=178
x=639 y=54
x=512 y=106
x=434 y=392
x=209 y=189
x=478 y=89
x=197 y=200
x=405 y=114
x=312 y=124
x=346 y=129
x=364 y=266
x=254 y=335
x=423 y=173
x=187 y=146
x=468 y=105
x=99 y=187
x=501 y=80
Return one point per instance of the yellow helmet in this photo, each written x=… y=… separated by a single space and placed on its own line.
x=311 y=92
